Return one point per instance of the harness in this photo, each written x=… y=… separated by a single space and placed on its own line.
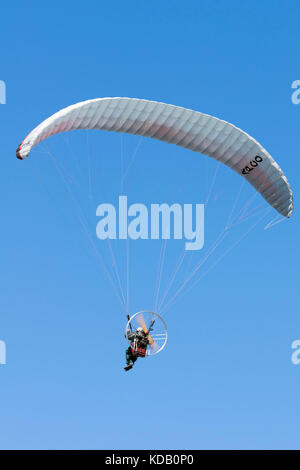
x=138 y=348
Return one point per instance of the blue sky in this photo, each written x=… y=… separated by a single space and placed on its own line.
x=226 y=379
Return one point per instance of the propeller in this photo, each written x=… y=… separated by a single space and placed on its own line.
x=141 y=321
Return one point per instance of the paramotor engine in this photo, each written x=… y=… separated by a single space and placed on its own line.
x=153 y=326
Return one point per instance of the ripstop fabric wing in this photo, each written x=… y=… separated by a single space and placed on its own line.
x=180 y=126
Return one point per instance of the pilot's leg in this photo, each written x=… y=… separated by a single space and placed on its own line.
x=128 y=356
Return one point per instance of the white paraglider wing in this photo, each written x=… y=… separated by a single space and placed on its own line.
x=190 y=129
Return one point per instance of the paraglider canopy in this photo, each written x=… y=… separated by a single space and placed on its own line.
x=183 y=127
